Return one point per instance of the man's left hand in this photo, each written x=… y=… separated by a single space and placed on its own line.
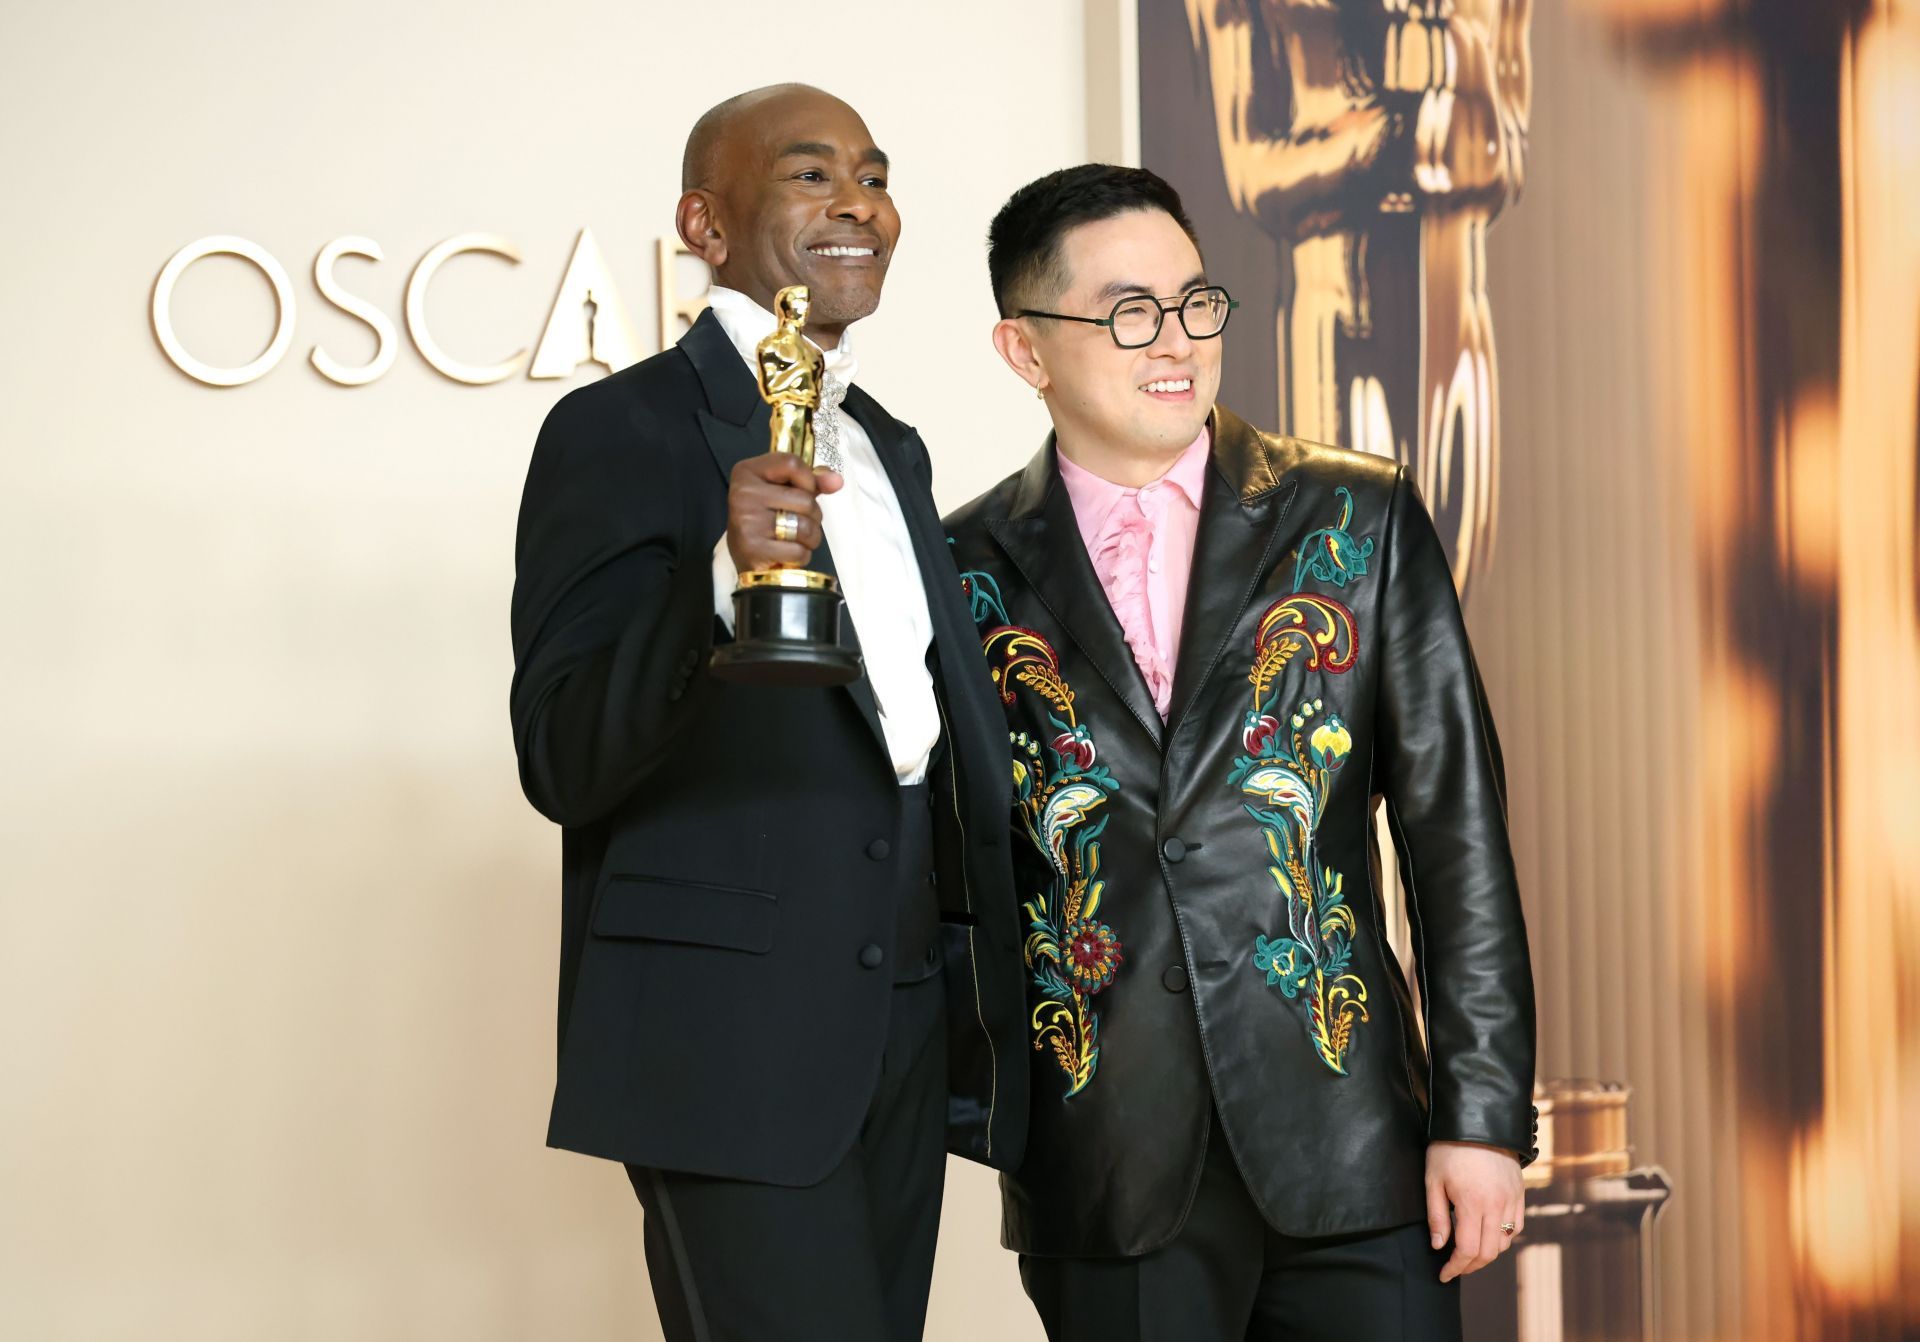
x=1471 y=1191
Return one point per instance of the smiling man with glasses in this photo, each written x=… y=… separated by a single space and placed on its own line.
x=1217 y=650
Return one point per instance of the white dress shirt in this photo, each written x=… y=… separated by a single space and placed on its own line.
x=872 y=553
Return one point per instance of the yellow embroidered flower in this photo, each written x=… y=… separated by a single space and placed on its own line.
x=1331 y=742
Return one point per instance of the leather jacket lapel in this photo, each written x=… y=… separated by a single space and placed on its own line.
x=1041 y=536
x=1246 y=500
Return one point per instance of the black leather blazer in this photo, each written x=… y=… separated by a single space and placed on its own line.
x=1202 y=915
x=727 y=891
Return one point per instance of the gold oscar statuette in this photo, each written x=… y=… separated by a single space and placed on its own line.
x=786 y=621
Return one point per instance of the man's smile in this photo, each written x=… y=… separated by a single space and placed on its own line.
x=844 y=251
x=1170 y=389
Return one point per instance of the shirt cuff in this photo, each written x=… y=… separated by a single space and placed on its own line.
x=725 y=578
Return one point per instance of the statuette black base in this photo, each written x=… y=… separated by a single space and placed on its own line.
x=786 y=636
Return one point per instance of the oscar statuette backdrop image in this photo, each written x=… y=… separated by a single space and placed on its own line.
x=1630 y=287
x=1633 y=290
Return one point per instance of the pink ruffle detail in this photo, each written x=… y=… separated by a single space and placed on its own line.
x=1119 y=557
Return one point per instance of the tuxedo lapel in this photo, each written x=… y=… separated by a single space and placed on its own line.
x=735 y=420
x=888 y=436
x=736 y=427
x=1042 y=538
x=1240 y=517
x=963 y=678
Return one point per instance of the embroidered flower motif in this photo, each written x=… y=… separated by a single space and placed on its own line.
x=1076 y=744
x=1063 y=810
x=1260 y=730
x=1094 y=953
x=1285 y=962
x=1058 y=795
x=1331 y=742
x=1331 y=554
x=983 y=596
x=1285 y=779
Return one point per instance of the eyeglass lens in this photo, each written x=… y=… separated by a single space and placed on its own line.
x=1136 y=321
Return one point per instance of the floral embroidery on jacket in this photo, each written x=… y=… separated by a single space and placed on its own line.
x=1331 y=554
x=1285 y=774
x=1058 y=783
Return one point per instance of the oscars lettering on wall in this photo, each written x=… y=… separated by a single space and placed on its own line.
x=587 y=322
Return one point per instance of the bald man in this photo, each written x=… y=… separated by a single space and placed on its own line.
x=789 y=968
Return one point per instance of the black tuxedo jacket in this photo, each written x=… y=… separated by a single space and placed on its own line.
x=1200 y=896
x=727 y=894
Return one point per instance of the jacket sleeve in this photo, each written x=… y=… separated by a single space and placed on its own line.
x=1445 y=790
x=610 y=626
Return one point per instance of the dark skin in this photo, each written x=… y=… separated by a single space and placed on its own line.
x=791 y=175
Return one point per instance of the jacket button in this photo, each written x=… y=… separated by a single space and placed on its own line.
x=878 y=850
x=1174 y=849
x=1175 y=979
x=871 y=956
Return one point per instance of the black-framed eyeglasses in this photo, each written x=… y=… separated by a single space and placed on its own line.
x=1135 y=322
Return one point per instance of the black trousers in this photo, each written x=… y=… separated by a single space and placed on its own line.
x=849 y=1259
x=1229 y=1277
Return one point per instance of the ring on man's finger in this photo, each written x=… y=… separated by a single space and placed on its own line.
x=786 y=525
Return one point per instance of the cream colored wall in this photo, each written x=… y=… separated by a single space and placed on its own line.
x=277 y=931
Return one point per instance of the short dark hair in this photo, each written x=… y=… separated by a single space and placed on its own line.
x=1023 y=244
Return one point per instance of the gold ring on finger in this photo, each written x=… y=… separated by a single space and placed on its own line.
x=1506 y=1227
x=786 y=525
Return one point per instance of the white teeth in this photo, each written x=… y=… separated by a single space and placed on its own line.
x=842 y=251
x=1174 y=384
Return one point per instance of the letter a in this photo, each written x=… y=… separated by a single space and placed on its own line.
x=572 y=337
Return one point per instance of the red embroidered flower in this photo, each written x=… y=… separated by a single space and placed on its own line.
x=1093 y=954
x=1260 y=730
x=1076 y=745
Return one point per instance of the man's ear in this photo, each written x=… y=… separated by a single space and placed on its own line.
x=698 y=223
x=1017 y=348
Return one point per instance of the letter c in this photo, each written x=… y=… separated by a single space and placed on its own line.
x=417 y=309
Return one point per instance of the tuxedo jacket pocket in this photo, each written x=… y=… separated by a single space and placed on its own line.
x=652 y=909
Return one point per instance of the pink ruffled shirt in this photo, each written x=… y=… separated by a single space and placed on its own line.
x=1141 y=544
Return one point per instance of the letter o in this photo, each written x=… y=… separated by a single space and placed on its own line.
x=228 y=245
